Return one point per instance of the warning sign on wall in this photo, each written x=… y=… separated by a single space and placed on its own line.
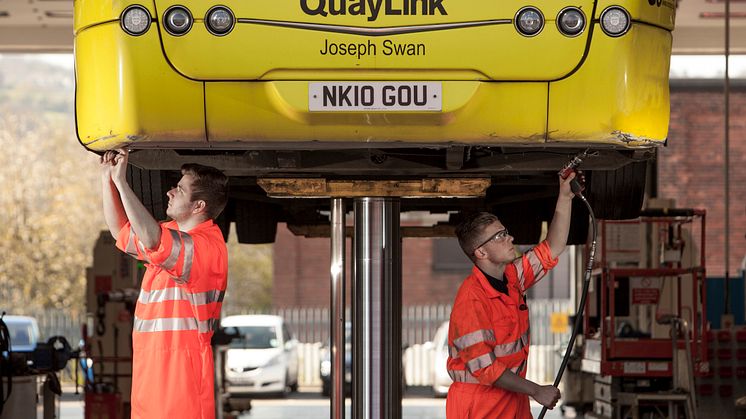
x=645 y=295
x=559 y=323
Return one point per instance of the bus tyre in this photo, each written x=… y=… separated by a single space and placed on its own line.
x=579 y=223
x=618 y=194
x=524 y=219
x=151 y=186
x=256 y=222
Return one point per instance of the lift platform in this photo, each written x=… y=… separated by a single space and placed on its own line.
x=645 y=332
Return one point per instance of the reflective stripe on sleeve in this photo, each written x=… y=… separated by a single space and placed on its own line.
x=462 y=376
x=143 y=250
x=175 y=294
x=480 y=362
x=131 y=248
x=188 y=258
x=537 y=269
x=518 y=265
x=473 y=338
x=517 y=370
x=452 y=352
x=535 y=262
x=175 y=324
x=173 y=257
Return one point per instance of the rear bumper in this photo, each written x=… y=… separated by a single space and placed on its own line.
x=128 y=95
x=260 y=380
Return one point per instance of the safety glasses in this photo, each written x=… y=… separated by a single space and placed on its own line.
x=500 y=236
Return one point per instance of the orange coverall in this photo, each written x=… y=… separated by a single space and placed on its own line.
x=489 y=333
x=177 y=311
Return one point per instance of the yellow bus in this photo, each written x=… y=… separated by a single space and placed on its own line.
x=381 y=89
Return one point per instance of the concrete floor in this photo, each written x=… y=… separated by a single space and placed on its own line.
x=309 y=404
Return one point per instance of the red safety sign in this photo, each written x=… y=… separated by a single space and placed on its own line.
x=645 y=295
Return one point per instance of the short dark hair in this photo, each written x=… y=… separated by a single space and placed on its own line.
x=470 y=229
x=210 y=185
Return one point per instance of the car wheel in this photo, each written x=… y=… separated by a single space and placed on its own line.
x=294 y=386
x=286 y=386
x=326 y=389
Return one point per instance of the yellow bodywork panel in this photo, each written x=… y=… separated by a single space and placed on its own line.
x=496 y=52
x=630 y=99
x=472 y=112
x=251 y=87
x=87 y=13
x=125 y=96
x=661 y=13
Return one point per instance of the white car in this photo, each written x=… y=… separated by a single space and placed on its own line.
x=441 y=380
x=264 y=360
x=24 y=333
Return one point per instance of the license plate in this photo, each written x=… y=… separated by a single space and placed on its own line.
x=241 y=381
x=375 y=96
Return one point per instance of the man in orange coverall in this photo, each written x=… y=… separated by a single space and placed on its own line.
x=488 y=335
x=182 y=291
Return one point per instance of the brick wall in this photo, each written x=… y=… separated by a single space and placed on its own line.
x=690 y=167
x=301 y=273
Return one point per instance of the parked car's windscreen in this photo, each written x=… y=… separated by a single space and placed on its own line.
x=256 y=337
x=21 y=334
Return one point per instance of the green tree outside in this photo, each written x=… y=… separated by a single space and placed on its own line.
x=50 y=201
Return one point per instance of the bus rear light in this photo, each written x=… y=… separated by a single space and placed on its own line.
x=529 y=21
x=615 y=21
x=571 y=21
x=135 y=20
x=177 y=20
x=219 y=20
